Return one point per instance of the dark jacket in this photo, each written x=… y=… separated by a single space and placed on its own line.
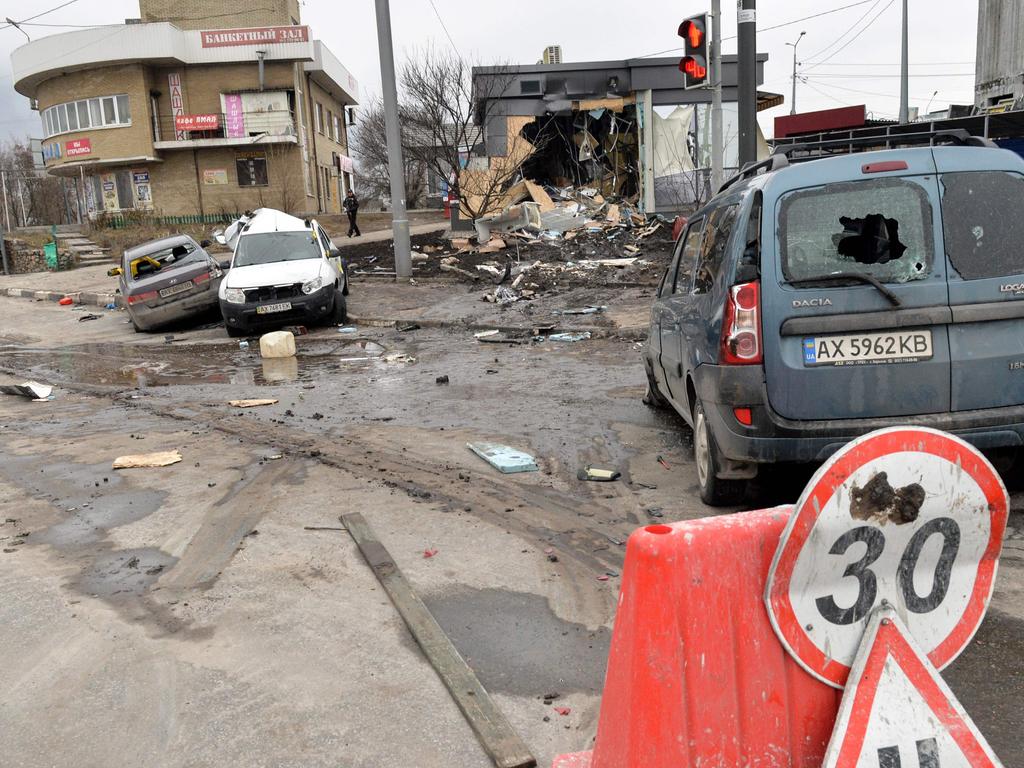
x=351 y=204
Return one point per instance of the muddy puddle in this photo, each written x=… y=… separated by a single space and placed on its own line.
x=170 y=365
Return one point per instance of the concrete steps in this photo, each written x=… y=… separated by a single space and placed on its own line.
x=85 y=251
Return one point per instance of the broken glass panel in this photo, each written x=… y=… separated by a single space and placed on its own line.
x=982 y=223
x=879 y=227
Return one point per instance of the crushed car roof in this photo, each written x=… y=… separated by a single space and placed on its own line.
x=270 y=220
x=158 y=245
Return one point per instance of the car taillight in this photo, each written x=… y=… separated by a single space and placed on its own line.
x=741 y=326
x=201 y=278
x=135 y=298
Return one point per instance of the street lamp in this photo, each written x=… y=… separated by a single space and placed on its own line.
x=15 y=24
x=792 y=109
x=927 y=109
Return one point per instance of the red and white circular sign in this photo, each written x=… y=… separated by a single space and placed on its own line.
x=908 y=516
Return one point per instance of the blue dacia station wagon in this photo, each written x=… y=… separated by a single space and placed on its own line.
x=819 y=296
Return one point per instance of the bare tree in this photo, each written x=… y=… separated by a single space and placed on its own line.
x=369 y=145
x=444 y=113
x=33 y=197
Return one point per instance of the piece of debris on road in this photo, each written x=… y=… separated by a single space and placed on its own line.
x=30 y=389
x=255 y=403
x=505 y=459
x=147 y=460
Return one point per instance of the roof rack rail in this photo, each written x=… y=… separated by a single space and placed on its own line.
x=953 y=135
x=773 y=163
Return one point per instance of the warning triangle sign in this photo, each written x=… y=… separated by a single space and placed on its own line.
x=898 y=713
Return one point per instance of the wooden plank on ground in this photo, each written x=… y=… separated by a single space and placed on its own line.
x=493 y=730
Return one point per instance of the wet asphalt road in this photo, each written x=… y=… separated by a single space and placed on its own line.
x=369 y=403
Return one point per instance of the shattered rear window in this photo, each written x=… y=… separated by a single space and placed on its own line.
x=983 y=223
x=880 y=227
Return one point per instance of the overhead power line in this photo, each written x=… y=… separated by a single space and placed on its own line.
x=846 y=32
x=853 y=39
x=867 y=93
x=775 y=26
x=445 y=28
x=44 y=13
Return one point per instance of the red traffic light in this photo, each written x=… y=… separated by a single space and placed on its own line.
x=694 y=67
x=693 y=32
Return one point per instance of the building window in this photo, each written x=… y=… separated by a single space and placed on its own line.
x=319 y=117
x=101 y=112
x=251 y=168
x=328 y=126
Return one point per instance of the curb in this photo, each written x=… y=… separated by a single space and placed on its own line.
x=598 y=332
x=79 y=297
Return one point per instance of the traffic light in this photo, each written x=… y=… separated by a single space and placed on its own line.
x=694 y=64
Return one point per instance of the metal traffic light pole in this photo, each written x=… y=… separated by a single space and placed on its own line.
x=904 y=70
x=399 y=217
x=746 y=23
x=716 y=96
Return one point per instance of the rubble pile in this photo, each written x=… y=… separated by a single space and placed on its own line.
x=553 y=238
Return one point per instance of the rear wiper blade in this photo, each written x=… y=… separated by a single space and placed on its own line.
x=857 y=277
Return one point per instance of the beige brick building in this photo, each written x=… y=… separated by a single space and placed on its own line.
x=175 y=117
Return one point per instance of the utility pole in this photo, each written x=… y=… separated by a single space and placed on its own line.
x=399 y=218
x=904 y=73
x=716 y=96
x=792 y=109
x=746 y=22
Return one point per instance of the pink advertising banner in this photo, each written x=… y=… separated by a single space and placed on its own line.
x=234 y=119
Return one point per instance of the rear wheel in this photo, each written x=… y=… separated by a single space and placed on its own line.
x=340 y=313
x=713 y=490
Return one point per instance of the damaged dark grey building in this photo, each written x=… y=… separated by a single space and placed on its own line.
x=625 y=128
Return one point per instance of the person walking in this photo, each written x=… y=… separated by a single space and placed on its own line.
x=352 y=208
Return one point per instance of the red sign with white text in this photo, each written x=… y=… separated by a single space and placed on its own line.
x=78 y=147
x=215 y=38
x=196 y=122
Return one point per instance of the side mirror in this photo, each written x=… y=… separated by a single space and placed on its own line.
x=220 y=239
x=335 y=252
x=204 y=243
x=225 y=265
x=115 y=272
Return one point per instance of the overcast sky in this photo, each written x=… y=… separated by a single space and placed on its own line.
x=838 y=71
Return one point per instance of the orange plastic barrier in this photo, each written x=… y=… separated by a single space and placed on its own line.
x=696 y=676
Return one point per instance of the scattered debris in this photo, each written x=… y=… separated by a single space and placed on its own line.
x=505 y=459
x=428 y=553
x=243 y=344
x=274 y=457
x=147 y=460
x=90 y=316
x=399 y=357
x=31 y=389
x=486 y=334
x=603 y=576
x=441 y=379
x=569 y=337
x=598 y=475
x=408 y=327
x=66 y=301
x=348 y=329
x=296 y=330
x=322 y=528
x=563 y=711
x=588 y=310
x=655 y=512
x=663 y=463
x=251 y=403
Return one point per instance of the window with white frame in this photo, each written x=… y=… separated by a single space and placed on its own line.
x=100 y=112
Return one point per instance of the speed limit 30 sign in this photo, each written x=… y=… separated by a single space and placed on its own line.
x=910 y=517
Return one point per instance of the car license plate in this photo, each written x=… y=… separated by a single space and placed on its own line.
x=176 y=289
x=868 y=348
x=267 y=309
